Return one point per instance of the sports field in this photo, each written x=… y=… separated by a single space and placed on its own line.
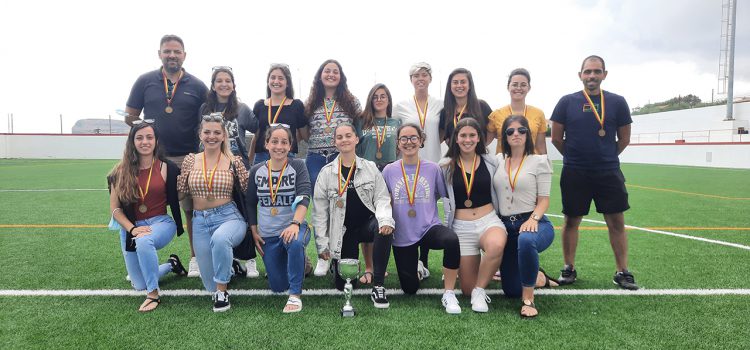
x=62 y=279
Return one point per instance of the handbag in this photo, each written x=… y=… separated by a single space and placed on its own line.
x=246 y=249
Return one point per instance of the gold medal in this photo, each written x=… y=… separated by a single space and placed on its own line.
x=340 y=203
x=468 y=203
x=274 y=191
x=274 y=211
x=142 y=208
x=412 y=213
x=602 y=133
x=411 y=192
x=468 y=184
x=169 y=95
x=379 y=155
x=169 y=109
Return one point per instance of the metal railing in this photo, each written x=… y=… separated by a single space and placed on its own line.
x=692 y=136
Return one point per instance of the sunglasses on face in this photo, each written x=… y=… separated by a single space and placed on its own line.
x=522 y=130
x=141 y=121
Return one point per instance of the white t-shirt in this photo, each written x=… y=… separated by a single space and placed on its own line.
x=407 y=112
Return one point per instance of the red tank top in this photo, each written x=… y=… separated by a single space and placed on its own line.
x=156 y=199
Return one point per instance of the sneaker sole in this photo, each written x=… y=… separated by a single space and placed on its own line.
x=623 y=287
x=193 y=274
x=253 y=275
x=222 y=309
x=480 y=311
x=454 y=312
x=379 y=306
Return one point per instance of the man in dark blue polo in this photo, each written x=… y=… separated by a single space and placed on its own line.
x=172 y=98
x=590 y=129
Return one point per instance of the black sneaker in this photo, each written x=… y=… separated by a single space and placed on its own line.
x=238 y=269
x=567 y=276
x=625 y=280
x=221 y=301
x=177 y=266
x=378 y=297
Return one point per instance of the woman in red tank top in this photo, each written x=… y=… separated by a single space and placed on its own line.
x=141 y=186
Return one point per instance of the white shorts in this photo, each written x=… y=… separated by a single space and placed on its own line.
x=469 y=232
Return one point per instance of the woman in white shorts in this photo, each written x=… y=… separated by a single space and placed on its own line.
x=467 y=170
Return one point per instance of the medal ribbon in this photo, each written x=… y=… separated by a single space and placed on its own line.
x=329 y=115
x=515 y=177
x=342 y=189
x=148 y=182
x=410 y=192
x=599 y=118
x=525 y=108
x=275 y=191
x=209 y=182
x=468 y=183
x=278 y=111
x=422 y=113
x=166 y=86
x=456 y=119
x=380 y=139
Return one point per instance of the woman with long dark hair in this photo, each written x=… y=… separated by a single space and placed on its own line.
x=330 y=103
x=461 y=102
x=470 y=210
x=141 y=186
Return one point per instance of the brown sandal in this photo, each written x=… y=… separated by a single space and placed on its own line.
x=528 y=304
x=148 y=302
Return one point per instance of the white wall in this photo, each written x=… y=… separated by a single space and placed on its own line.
x=63 y=146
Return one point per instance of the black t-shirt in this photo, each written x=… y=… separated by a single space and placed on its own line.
x=292 y=115
x=481 y=192
x=482 y=119
x=357 y=213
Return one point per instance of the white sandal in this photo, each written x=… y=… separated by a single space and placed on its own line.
x=295 y=301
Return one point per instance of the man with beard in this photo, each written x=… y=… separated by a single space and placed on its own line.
x=590 y=129
x=170 y=97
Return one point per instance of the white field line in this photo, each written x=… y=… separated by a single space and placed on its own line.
x=667 y=233
x=362 y=292
x=57 y=190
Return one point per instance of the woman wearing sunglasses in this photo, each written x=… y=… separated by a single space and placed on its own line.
x=519 y=85
x=141 y=186
x=213 y=178
x=470 y=210
x=416 y=185
x=279 y=107
x=278 y=196
x=351 y=205
x=329 y=104
x=522 y=184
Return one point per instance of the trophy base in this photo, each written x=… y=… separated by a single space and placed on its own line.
x=348 y=312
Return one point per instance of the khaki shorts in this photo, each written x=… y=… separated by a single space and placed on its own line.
x=187 y=203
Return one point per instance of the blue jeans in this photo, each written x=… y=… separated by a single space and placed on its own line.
x=264 y=156
x=285 y=262
x=315 y=162
x=215 y=232
x=521 y=257
x=143 y=264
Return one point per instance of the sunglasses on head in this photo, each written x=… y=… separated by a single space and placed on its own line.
x=141 y=121
x=286 y=126
x=215 y=68
x=522 y=130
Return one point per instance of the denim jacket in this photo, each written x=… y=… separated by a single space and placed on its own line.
x=328 y=219
x=450 y=205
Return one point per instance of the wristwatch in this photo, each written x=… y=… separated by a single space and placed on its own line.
x=535 y=217
x=295 y=222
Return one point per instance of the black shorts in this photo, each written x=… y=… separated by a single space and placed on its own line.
x=606 y=187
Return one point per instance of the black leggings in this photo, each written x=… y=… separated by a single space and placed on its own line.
x=367 y=233
x=437 y=237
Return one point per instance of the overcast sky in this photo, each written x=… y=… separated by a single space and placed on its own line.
x=80 y=58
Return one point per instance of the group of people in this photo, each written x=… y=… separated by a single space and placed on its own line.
x=372 y=179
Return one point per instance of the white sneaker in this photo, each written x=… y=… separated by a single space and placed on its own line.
x=127 y=278
x=422 y=271
x=321 y=268
x=252 y=269
x=451 y=303
x=479 y=300
x=193 y=270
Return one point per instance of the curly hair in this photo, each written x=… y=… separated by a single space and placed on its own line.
x=343 y=97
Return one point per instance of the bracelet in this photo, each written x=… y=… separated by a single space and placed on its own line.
x=295 y=222
x=131 y=230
